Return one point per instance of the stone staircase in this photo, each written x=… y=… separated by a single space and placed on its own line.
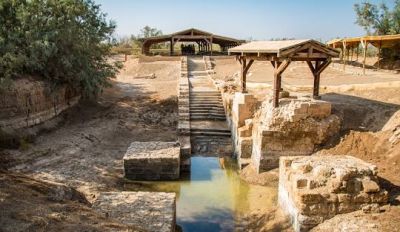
x=209 y=131
x=206 y=105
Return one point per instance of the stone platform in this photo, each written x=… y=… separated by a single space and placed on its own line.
x=152 y=161
x=295 y=128
x=315 y=188
x=144 y=211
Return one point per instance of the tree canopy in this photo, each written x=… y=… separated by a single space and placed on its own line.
x=62 y=41
x=378 y=19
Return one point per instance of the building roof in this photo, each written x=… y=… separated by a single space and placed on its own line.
x=282 y=48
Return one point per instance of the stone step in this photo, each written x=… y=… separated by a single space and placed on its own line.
x=207 y=115
x=213 y=111
x=211 y=133
x=217 y=109
x=204 y=93
x=213 y=118
x=201 y=101
x=198 y=103
x=213 y=98
x=210 y=130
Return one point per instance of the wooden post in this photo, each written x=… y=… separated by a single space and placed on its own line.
x=316 y=81
x=352 y=51
x=243 y=72
x=379 y=54
x=211 y=42
x=279 y=68
x=171 y=47
x=243 y=75
x=364 y=44
x=357 y=52
x=344 y=55
x=316 y=71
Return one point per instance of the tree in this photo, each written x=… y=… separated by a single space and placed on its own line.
x=378 y=20
x=147 y=32
x=63 y=42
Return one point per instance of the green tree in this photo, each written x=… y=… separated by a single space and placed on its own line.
x=147 y=32
x=62 y=41
x=378 y=20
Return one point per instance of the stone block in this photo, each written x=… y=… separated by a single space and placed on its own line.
x=144 y=211
x=315 y=188
x=297 y=127
x=152 y=161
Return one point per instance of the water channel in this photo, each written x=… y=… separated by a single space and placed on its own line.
x=212 y=197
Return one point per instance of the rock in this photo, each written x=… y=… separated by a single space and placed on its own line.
x=370 y=186
x=371 y=208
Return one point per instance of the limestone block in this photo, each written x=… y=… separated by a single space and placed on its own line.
x=144 y=211
x=243 y=107
x=152 y=161
x=297 y=127
x=315 y=188
x=245 y=147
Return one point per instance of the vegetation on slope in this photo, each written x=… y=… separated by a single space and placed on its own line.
x=64 y=42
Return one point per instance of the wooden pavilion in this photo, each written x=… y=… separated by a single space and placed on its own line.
x=349 y=44
x=281 y=53
x=204 y=40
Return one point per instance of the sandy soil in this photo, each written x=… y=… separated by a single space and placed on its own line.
x=86 y=151
x=369 y=106
x=298 y=73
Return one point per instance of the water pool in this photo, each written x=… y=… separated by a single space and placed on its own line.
x=212 y=197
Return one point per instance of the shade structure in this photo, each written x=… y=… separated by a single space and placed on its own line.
x=380 y=41
x=281 y=53
x=202 y=38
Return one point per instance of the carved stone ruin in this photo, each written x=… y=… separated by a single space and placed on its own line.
x=315 y=188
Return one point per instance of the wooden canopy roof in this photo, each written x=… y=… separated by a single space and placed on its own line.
x=191 y=35
x=383 y=41
x=278 y=50
x=281 y=53
x=380 y=41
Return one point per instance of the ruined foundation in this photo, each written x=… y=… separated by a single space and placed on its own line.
x=147 y=211
x=184 y=116
x=295 y=128
x=315 y=188
x=152 y=161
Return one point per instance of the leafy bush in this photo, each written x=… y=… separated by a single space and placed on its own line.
x=378 y=19
x=62 y=41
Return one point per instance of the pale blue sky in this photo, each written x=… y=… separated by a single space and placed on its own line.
x=243 y=19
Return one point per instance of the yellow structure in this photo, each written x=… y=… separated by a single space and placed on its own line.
x=347 y=44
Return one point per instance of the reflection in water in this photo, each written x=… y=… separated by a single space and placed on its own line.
x=212 y=197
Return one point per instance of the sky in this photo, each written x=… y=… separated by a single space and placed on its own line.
x=241 y=19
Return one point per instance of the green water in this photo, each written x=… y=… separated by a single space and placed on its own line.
x=212 y=197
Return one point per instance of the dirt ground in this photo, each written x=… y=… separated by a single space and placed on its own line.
x=369 y=106
x=85 y=152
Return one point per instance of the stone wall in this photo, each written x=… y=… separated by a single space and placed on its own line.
x=294 y=128
x=184 y=115
x=315 y=188
x=152 y=161
x=144 y=211
x=30 y=102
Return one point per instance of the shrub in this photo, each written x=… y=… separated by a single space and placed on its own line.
x=62 y=41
